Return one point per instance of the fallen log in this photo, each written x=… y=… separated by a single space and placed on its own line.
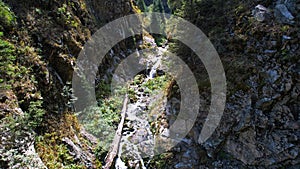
x=109 y=159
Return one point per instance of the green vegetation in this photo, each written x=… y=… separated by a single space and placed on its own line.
x=67 y=16
x=14 y=67
x=34 y=116
x=51 y=149
x=102 y=90
x=100 y=119
x=68 y=95
x=158 y=83
x=157 y=22
x=160 y=40
x=7 y=18
x=43 y=47
x=102 y=122
x=161 y=161
x=54 y=153
x=150 y=86
x=29 y=120
x=7 y=66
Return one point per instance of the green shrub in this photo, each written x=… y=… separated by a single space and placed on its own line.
x=67 y=16
x=160 y=40
x=158 y=83
x=7 y=18
x=161 y=161
x=13 y=69
x=16 y=76
x=7 y=66
x=100 y=121
x=34 y=116
x=55 y=154
x=30 y=120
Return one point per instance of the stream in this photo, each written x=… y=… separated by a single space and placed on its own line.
x=145 y=121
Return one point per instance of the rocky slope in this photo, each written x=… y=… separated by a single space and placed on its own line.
x=40 y=41
x=257 y=42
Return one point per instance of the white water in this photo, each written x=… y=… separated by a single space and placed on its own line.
x=137 y=140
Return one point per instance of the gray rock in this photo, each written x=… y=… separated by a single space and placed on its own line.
x=268 y=51
x=19 y=152
x=273 y=75
x=290 y=4
x=183 y=165
x=283 y=15
x=245 y=147
x=286 y=37
x=75 y=149
x=260 y=13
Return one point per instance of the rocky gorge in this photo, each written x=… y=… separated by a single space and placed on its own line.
x=258 y=44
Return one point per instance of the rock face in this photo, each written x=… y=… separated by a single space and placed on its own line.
x=283 y=15
x=260 y=13
x=287 y=11
x=260 y=125
x=54 y=32
x=76 y=151
x=16 y=142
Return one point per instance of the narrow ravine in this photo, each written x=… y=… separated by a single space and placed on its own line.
x=145 y=119
x=42 y=127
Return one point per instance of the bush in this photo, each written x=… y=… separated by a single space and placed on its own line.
x=7 y=66
x=34 y=116
x=54 y=153
x=7 y=18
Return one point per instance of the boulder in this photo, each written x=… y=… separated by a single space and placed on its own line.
x=283 y=15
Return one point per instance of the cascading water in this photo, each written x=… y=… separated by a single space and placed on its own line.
x=138 y=139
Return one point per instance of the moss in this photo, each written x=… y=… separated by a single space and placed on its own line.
x=49 y=146
x=7 y=17
x=17 y=74
x=53 y=153
x=98 y=164
x=157 y=83
x=66 y=16
x=161 y=161
x=240 y=9
x=285 y=28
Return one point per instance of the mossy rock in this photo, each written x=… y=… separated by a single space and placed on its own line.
x=7 y=17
